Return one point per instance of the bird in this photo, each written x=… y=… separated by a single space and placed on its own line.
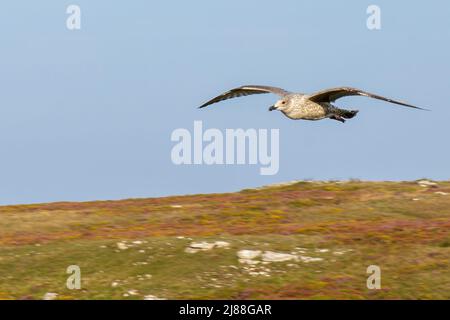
x=315 y=106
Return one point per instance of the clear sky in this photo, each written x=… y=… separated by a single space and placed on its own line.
x=88 y=114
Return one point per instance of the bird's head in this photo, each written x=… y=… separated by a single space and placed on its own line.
x=280 y=105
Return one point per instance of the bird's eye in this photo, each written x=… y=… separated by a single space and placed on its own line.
x=283 y=102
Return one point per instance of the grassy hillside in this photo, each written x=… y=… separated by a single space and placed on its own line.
x=332 y=232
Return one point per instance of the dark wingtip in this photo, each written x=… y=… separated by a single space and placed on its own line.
x=419 y=108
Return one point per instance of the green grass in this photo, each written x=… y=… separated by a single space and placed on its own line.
x=369 y=223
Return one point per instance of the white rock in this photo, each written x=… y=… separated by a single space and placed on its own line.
x=441 y=193
x=426 y=183
x=50 y=296
x=191 y=250
x=322 y=250
x=202 y=245
x=205 y=246
x=176 y=206
x=133 y=292
x=248 y=254
x=309 y=259
x=114 y=284
x=121 y=245
x=222 y=244
x=152 y=297
x=137 y=242
x=271 y=256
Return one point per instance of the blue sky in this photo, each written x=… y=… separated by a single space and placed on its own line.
x=88 y=114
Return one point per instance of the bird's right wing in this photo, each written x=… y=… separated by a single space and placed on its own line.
x=245 y=91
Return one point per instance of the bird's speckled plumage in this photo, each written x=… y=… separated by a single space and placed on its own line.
x=315 y=106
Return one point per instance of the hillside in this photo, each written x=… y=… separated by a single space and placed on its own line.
x=304 y=240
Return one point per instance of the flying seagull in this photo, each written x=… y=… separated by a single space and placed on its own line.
x=316 y=106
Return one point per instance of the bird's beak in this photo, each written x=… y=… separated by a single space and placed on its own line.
x=272 y=108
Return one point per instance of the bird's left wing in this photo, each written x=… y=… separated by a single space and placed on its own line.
x=331 y=95
x=245 y=91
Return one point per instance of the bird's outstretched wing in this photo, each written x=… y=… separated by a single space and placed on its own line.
x=245 y=91
x=331 y=95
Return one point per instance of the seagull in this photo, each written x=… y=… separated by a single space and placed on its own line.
x=316 y=106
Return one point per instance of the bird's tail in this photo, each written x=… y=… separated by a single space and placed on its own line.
x=347 y=114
